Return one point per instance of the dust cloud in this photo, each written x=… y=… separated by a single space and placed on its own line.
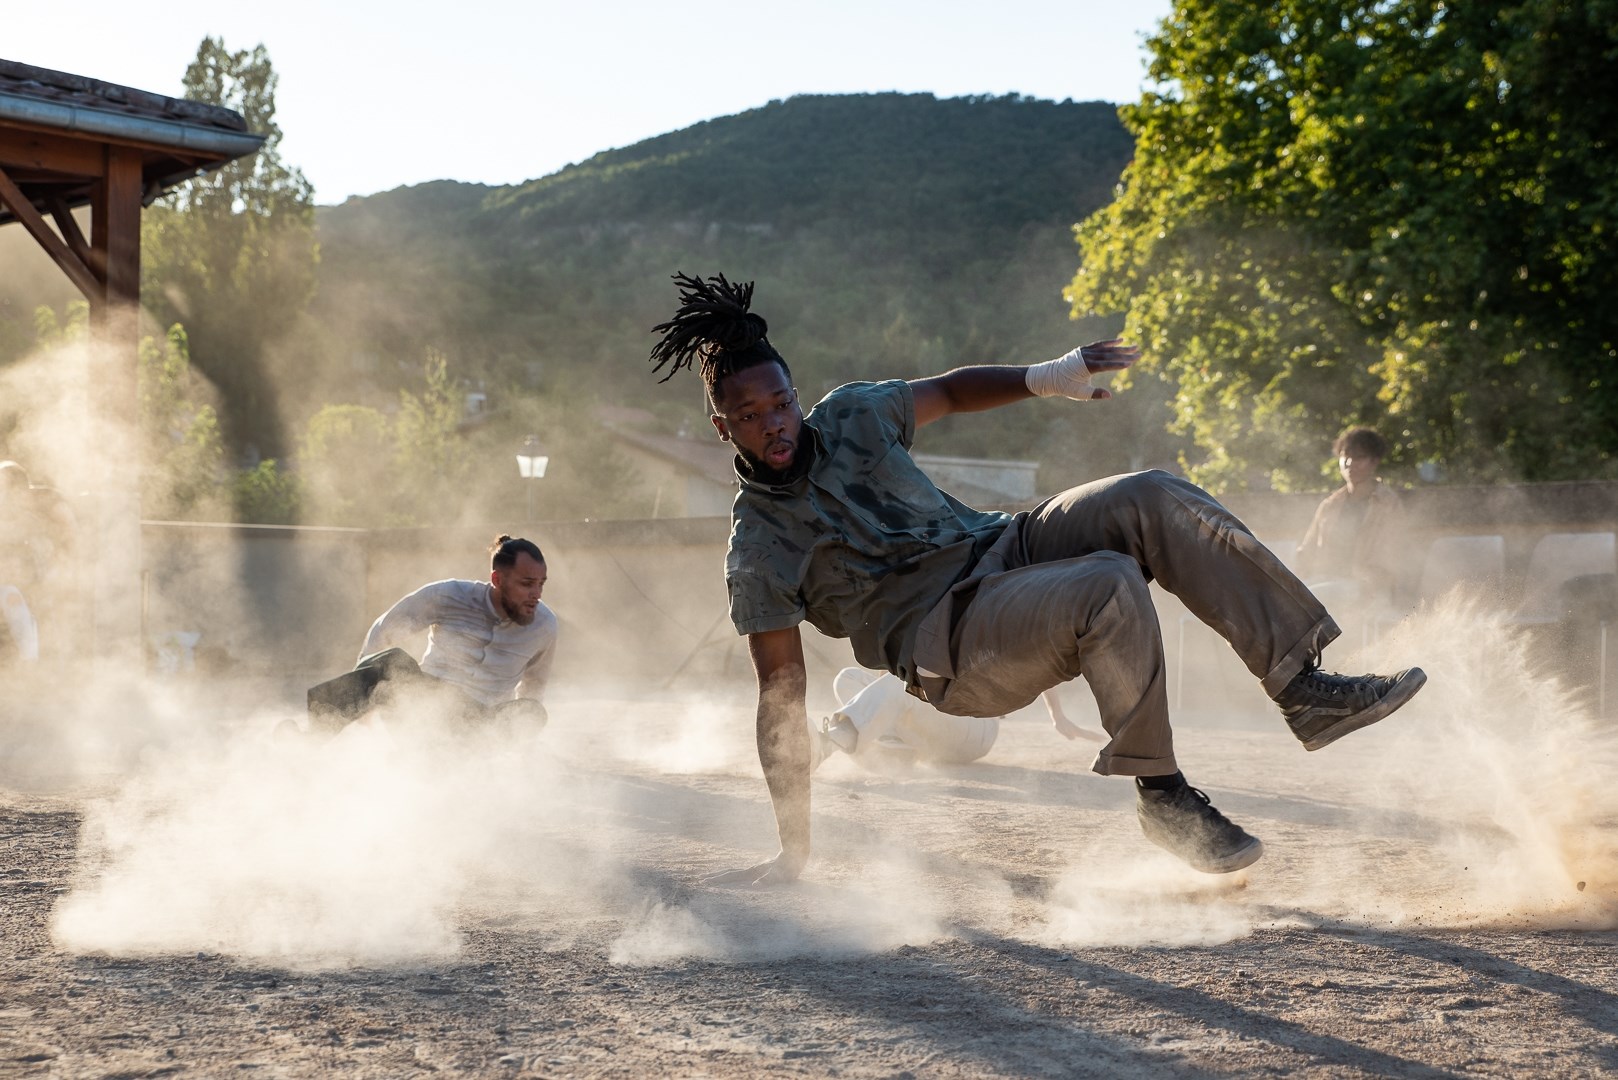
x=292 y=849
x=383 y=844
x=1485 y=801
x=365 y=849
x=46 y=420
x=1501 y=774
x=1480 y=803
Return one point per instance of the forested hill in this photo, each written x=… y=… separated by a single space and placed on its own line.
x=983 y=166
x=890 y=235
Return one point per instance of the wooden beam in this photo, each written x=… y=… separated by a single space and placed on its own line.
x=68 y=226
x=123 y=191
x=115 y=401
x=56 y=154
x=74 y=144
x=54 y=245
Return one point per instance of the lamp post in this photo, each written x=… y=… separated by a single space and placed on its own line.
x=531 y=462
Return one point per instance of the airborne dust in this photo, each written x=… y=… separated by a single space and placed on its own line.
x=205 y=832
x=1472 y=806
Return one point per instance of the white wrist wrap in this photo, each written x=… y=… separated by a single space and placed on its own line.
x=1066 y=376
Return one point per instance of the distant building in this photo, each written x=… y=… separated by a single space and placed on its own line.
x=687 y=476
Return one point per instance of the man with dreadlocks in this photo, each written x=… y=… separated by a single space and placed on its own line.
x=979 y=612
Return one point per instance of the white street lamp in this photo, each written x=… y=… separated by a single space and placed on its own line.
x=531 y=462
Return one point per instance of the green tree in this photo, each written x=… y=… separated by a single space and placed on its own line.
x=346 y=462
x=428 y=447
x=267 y=494
x=232 y=253
x=184 y=472
x=362 y=467
x=1398 y=212
x=184 y=475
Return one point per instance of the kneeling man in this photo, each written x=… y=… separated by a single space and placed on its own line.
x=490 y=645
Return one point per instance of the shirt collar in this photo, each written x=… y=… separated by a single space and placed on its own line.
x=500 y=618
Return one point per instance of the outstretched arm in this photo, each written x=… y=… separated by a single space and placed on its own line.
x=783 y=750
x=974 y=389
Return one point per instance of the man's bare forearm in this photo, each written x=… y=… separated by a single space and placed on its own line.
x=783 y=751
x=974 y=389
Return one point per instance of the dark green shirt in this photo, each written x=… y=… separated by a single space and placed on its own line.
x=864 y=544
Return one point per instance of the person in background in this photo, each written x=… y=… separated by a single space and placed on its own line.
x=1353 y=555
x=37 y=532
x=490 y=648
x=885 y=729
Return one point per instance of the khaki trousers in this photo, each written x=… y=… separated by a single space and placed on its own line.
x=1063 y=593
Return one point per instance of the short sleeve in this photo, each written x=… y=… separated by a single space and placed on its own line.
x=895 y=405
x=863 y=412
x=759 y=602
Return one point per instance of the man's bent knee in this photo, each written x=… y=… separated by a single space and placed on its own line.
x=1120 y=577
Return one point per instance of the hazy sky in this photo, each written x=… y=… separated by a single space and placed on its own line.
x=377 y=94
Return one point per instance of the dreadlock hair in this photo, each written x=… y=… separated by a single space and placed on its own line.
x=714 y=332
x=505 y=549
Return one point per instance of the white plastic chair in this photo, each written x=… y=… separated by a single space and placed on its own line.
x=1452 y=561
x=1455 y=560
x=1557 y=559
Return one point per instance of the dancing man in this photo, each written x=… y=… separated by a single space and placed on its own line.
x=978 y=613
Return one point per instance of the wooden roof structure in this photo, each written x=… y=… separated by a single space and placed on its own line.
x=68 y=141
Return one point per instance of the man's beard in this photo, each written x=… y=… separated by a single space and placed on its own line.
x=516 y=614
x=762 y=473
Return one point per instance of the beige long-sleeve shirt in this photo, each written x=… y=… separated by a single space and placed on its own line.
x=1364 y=542
x=470 y=643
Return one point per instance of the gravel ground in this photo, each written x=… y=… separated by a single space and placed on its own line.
x=184 y=895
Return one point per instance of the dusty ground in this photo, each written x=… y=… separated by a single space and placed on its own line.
x=226 y=905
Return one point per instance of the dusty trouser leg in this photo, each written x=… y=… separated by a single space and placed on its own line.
x=870 y=720
x=1197 y=550
x=850 y=681
x=943 y=739
x=1031 y=628
x=335 y=702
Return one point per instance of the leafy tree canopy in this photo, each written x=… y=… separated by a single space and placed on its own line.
x=232 y=253
x=1397 y=212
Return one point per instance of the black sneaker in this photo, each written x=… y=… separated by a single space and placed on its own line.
x=1321 y=708
x=1183 y=822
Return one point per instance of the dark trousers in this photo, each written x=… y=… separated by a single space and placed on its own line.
x=378 y=679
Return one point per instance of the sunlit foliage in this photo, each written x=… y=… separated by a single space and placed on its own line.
x=232 y=253
x=1398 y=213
